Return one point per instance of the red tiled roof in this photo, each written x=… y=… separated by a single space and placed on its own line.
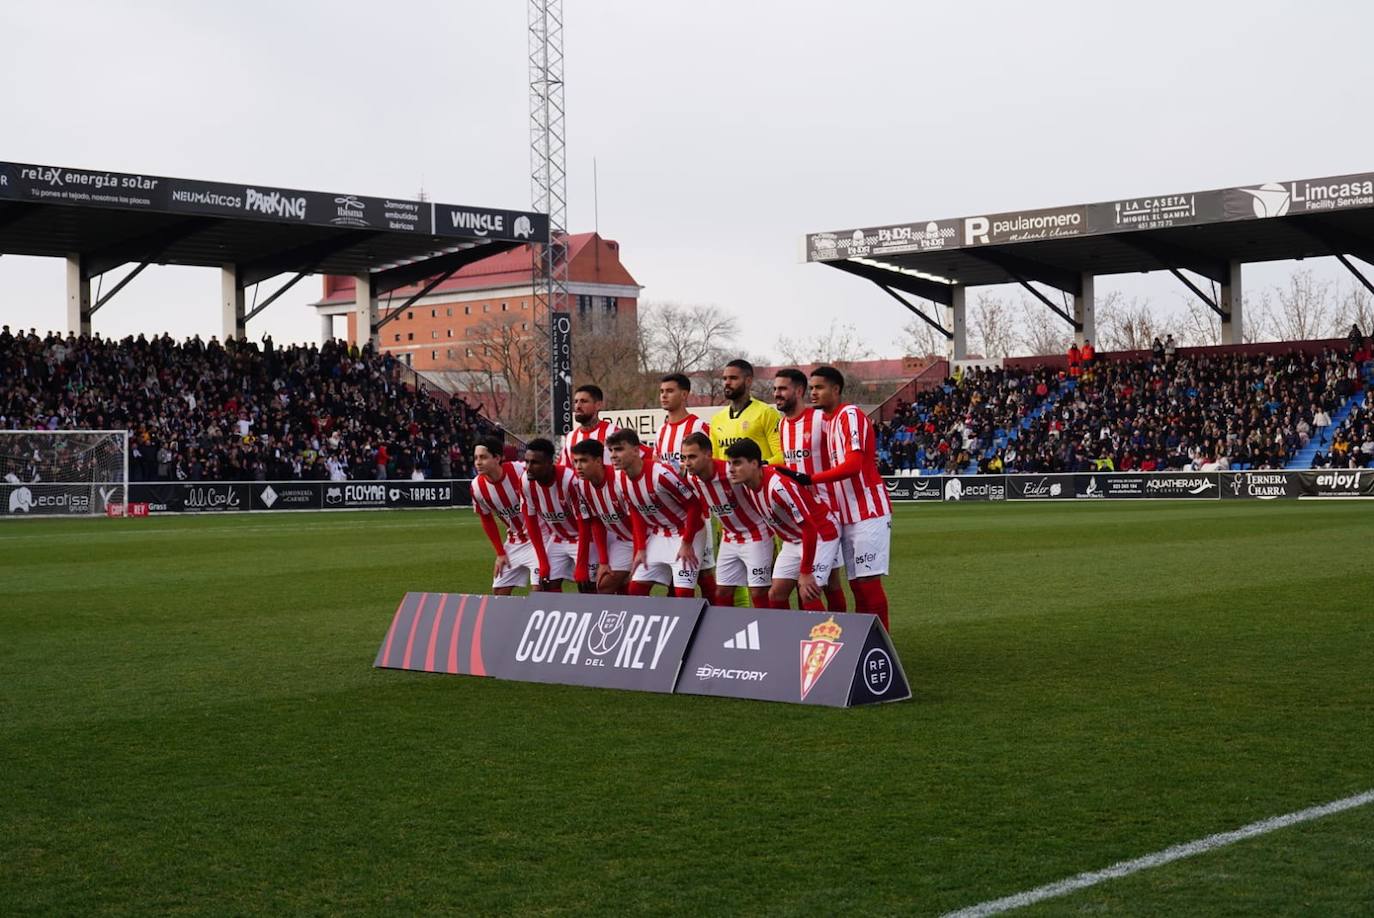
x=512 y=268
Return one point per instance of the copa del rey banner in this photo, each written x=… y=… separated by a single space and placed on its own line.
x=652 y=644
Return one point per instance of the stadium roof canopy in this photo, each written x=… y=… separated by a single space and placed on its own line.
x=100 y=220
x=1209 y=233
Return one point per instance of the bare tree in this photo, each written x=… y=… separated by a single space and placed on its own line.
x=1043 y=332
x=993 y=327
x=837 y=344
x=1357 y=308
x=609 y=352
x=1304 y=309
x=1201 y=325
x=1129 y=325
x=685 y=339
x=504 y=356
x=920 y=339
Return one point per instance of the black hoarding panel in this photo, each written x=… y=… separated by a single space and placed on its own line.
x=975 y=487
x=904 y=488
x=1337 y=483
x=1040 y=487
x=792 y=656
x=52 y=499
x=287 y=495
x=191 y=497
x=1271 y=485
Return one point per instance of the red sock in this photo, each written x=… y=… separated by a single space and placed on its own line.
x=835 y=599
x=725 y=596
x=707 y=581
x=641 y=587
x=869 y=596
x=684 y=592
x=813 y=605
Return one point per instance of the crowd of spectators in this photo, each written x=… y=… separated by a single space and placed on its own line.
x=942 y=430
x=1170 y=410
x=237 y=411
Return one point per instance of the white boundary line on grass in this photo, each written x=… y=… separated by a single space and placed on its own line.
x=1177 y=852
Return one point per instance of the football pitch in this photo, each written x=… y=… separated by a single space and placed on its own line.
x=190 y=723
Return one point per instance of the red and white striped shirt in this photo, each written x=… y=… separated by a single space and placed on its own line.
x=861 y=496
x=660 y=496
x=806 y=448
x=557 y=506
x=788 y=508
x=604 y=503
x=741 y=520
x=501 y=499
x=668 y=446
x=599 y=431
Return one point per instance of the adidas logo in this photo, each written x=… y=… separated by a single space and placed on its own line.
x=746 y=639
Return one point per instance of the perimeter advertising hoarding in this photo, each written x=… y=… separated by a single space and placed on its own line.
x=64 y=185
x=1260 y=485
x=45 y=499
x=1119 y=485
x=1337 y=483
x=836 y=660
x=276 y=496
x=624 y=642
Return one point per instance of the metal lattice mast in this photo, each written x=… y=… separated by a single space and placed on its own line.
x=549 y=187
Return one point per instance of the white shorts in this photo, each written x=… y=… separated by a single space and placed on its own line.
x=866 y=546
x=661 y=564
x=622 y=552
x=788 y=563
x=562 y=559
x=705 y=544
x=745 y=563
x=523 y=568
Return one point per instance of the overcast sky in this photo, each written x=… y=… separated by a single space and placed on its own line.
x=722 y=131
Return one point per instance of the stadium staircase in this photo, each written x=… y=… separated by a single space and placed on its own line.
x=1000 y=437
x=1303 y=458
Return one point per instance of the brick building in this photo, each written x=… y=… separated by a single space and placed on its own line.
x=442 y=331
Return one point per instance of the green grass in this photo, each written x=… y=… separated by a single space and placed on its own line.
x=189 y=723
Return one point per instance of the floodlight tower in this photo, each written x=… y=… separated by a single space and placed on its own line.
x=549 y=188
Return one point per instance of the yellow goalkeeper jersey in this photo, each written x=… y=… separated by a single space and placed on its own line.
x=758 y=422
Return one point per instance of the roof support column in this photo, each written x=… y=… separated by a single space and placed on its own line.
x=326 y=327
x=1085 y=311
x=1232 y=329
x=78 y=297
x=958 y=344
x=231 y=301
x=365 y=308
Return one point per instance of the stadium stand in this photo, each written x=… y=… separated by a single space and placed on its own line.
x=239 y=412
x=1196 y=410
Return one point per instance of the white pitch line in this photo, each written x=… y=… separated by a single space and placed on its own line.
x=1177 y=852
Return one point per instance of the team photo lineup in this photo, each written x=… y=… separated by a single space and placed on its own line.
x=794 y=488
x=611 y=459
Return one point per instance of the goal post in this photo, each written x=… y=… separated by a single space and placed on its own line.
x=64 y=473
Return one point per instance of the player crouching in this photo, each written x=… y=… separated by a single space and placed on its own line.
x=746 y=542
x=665 y=516
x=811 y=541
x=605 y=521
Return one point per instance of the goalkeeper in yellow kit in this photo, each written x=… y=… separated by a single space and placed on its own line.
x=745 y=417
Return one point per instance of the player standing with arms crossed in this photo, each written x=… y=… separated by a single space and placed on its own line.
x=496 y=494
x=746 y=543
x=860 y=496
x=745 y=417
x=811 y=544
x=806 y=448
x=673 y=391
x=665 y=516
x=605 y=523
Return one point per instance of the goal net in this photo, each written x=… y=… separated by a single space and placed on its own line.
x=63 y=472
